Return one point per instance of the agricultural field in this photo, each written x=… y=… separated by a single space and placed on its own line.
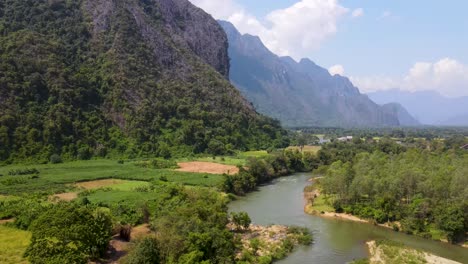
x=13 y=243
x=60 y=178
x=240 y=159
x=311 y=149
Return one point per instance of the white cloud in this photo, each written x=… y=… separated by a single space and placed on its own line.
x=386 y=14
x=294 y=31
x=446 y=76
x=359 y=12
x=336 y=69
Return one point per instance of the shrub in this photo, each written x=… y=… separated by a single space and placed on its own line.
x=23 y=172
x=241 y=220
x=67 y=233
x=163 y=178
x=55 y=159
x=145 y=251
x=84 y=153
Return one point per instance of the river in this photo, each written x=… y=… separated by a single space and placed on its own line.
x=335 y=241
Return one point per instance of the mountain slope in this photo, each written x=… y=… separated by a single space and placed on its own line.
x=404 y=117
x=428 y=107
x=298 y=94
x=115 y=77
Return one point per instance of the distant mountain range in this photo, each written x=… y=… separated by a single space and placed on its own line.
x=429 y=107
x=300 y=94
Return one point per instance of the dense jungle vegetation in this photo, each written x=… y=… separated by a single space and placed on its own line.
x=420 y=184
x=67 y=90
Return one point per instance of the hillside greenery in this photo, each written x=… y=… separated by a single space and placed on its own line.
x=66 y=91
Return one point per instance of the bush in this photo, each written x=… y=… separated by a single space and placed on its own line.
x=23 y=172
x=55 y=159
x=241 y=220
x=163 y=178
x=145 y=252
x=84 y=153
x=68 y=233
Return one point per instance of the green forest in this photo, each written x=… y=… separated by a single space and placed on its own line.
x=66 y=91
x=421 y=186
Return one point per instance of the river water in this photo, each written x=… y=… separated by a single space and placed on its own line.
x=335 y=241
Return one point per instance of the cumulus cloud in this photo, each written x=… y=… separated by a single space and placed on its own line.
x=336 y=69
x=293 y=31
x=446 y=76
x=359 y=12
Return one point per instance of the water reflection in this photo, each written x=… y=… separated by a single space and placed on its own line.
x=336 y=241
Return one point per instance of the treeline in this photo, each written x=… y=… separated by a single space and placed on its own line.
x=262 y=170
x=403 y=132
x=426 y=191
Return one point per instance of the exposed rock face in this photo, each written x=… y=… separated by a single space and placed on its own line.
x=298 y=94
x=181 y=25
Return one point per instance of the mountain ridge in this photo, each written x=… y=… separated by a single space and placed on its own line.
x=298 y=93
x=429 y=107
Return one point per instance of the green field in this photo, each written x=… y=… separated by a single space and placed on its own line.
x=56 y=178
x=239 y=159
x=312 y=149
x=321 y=204
x=13 y=243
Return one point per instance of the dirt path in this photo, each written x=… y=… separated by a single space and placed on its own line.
x=118 y=248
x=89 y=185
x=207 y=167
x=5 y=221
x=66 y=196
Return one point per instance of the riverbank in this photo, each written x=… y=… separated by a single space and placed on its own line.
x=389 y=252
x=316 y=204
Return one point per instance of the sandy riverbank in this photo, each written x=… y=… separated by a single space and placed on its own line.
x=386 y=252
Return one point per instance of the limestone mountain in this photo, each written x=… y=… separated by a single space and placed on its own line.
x=429 y=107
x=119 y=78
x=298 y=94
x=404 y=117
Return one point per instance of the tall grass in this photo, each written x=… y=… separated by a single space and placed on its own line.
x=13 y=243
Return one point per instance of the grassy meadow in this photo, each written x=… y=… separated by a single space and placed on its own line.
x=312 y=149
x=13 y=243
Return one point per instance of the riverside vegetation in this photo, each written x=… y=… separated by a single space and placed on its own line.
x=418 y=188
x=186 y=213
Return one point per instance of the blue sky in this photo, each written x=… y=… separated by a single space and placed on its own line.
x=393 y=44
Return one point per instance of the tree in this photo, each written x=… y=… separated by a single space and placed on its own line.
x=241 y=220
x=67 y=233
x=145 y=252
x=302 y=141
x=451 y=219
